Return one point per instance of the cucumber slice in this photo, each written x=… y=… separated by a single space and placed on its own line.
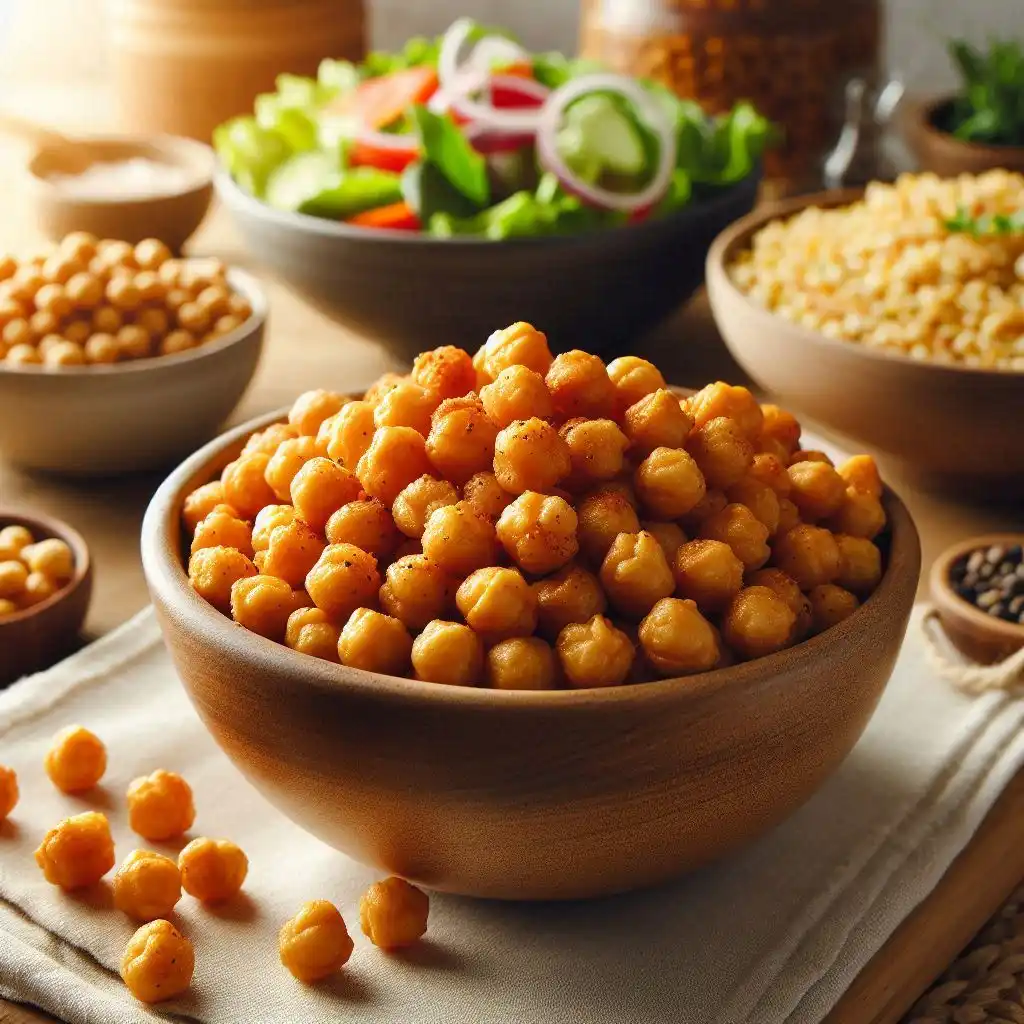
x=600 y=137
x=300 y=178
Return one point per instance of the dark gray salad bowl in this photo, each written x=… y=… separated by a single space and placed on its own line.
x=410 y=292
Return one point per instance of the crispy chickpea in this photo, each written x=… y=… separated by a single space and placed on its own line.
x=134 y=342
x=214 y=300
x=26 y=282
x=602 y=515
x=8 y=267
x=224 y=325
x=22 y=355
x=448 y=652
x=731 y=401
x=160 y=805
x=722 y=452
x=107 y=320
x=214 y=571
x=315 y=942
x=737 y=527
x=152 y=289
x=269 y=440
x=635 y=574
x=677 y=640
x=44 y=323
x=416 y=590
x=461 y=439
x=310 y=631
x=13 y=539
x=633 y=378
x=529 y=455
x=153 y=321
x=712 y=502
x=52 y=557
x=669 y=483
x=539 y=532
x=596 y=451
x=238 y=305
x=393 y=913
x=656 y=421
x=860 y=515
x=146 y=885
x=376 y=391
x=375 y=642
x=789 y=516
x=78 y=331
x=13 y=575
x=486 y=495
x=572 y=595
x=861 y=473
x=810 y=455
x=191 y=316
x=7 y=607
x=580 y=386
x=17 y=332
x=8 y=791
x=65 y=353
x=320 y=488
x=170 y=271
x=406 y=405
x=52 y=298
x=292 y=551
x=212 y=870
x=221 y=527
x=396 y=457
x=757 y=622
x=670 y=536
x=521 y=663
x=38 y=588
x=771 y=471
x=60 y=267
x=344 y=578
x=518 y=344
x=262 y=604
x=78 y=852
x=76 y=759
x=267 y=520
x=245 y=485
x=415 y=503
x=517 y=393
x=151 y=253
x=459 y=539
x=780 y=426
x=122 y=294
x=497 y=604
x=446 y=372
x=809 y=554
x=158 y=962
x=787 y=588
x=177 y=341
x=102 y=349
x=860 y=564
x=368 y=525
x=311 y=408
x=830 y=605
x=762 y=501
x=47 y=343
x=291 y=455
x=817 y=489
x=594 y=653
x=84 y=291
x=708 y=572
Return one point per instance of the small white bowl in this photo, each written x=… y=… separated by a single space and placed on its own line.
x=91 y=421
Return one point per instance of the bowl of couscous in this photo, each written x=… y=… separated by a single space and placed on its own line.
x=893 y=314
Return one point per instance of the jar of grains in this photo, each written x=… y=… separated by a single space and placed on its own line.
x=792 y=58
x=184 y=66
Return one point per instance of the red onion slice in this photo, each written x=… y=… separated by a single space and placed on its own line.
x=654 y=116
x=407 y=142
x=487 y=52
x=488 y=140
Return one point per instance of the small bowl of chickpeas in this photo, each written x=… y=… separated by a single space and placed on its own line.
x=869 y=311
x=531 y=627
x=116 y=358
x=45 y=587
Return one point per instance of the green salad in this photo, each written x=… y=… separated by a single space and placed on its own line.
x=470 y=134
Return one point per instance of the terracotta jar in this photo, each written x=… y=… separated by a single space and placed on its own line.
x=792 y=58
x=184 y=66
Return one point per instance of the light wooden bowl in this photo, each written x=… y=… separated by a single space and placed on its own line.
x=950 y=425
x=36 y=637
x=981 y=637
x=520 y=795
x=107 y=420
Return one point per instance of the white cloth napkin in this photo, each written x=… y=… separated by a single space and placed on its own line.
x=775 y=933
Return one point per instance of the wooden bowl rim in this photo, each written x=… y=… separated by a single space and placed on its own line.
x=51 y=527
x=168 y=582
x=923 y=114
x=951 y=603
x=738 y=235
x=240 y=280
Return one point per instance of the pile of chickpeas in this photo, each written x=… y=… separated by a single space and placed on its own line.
x=100 y=301
x=31 y=571
x=887 y=272
x=519 y=521
x=159 y=960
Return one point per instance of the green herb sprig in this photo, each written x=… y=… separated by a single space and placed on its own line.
x=987 y=226
x=990 y=106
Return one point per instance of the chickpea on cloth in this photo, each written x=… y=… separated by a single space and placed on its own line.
x=518 y=520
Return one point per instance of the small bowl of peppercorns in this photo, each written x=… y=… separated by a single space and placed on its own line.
x=978 y=590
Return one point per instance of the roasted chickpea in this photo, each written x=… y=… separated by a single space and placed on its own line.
x=52 y=557
x=151 y=254
x=810 y=455
x=146 y=885
x=416 y=590
x=177 y=341
x=809 y=554
x=521 y=663
x=245 y=485
x=446 y=372
x=212 y=870
x=367 y=524
x=214 y=571
x=52 y=298
x=406 y=405
x=780 y=426
x=153 y=321
x=221 y=527
x=262 y=603
x=601 y=516
x=461 y=439
x=78 y=852
x=345 y=578
x=310 y=631
x=459 y=539
x=13 y=575
x=529 y=455
x=292 y=550
x=497 y=604
x=267 y=520
x=291 y=455
x=677 y=640
x=375 y=643
x=633 y=378
x=731 y=401
x=17 y=332
x=13 y=540
x=160 y=805
x=38 y=588
x=656 y=421
x=45 y=323
x=580 y=386
x=122 y=294
x=571 y=595
x=381 y=386
x=708 y=572
x=722 y=451
x=393 y=913
x=107 y=320
x=519 y=344
x=817 y=489
x=192 y=318
x=762 y=501
x=448 y=652
x=594 y=653
x=315 y=942
x=596 y=451
x=415 y=503
x=786 y=587
x=669 y=483
x=539 y=532
x=635 y=574
x=517 y=393
x=311 y=408
x=351 y=432
x=102 y=349
x=830 y=605
x=65 y=353
x=860 y=564
x=758 y=622
x=8 y=791
x=737 y=527
x=158 y=962
x=670 y=536
x=860 y=515
x=76 y=760
x=320 y=488
x=214 y=299
x=861 y=473
x=486 y=495
x=771 y=471
x=712 y=503
x=78 y=331
x=769 y=446
x=789 y=516
x=152 y=289
x=396 y=457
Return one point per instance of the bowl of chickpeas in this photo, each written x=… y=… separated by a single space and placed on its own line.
x=45 y=587
x=870 y=311
x=531 y=627
x=116 y=358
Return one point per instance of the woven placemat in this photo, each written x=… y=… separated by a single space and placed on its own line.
x=985 y=984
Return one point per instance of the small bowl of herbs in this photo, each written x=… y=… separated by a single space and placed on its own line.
x=981 y=125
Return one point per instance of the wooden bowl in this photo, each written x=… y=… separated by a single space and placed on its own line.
x=520 y=795
x=944 y=154
x=979 y=636
x=107 y=420
x=37 y=637
x=948 y=424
